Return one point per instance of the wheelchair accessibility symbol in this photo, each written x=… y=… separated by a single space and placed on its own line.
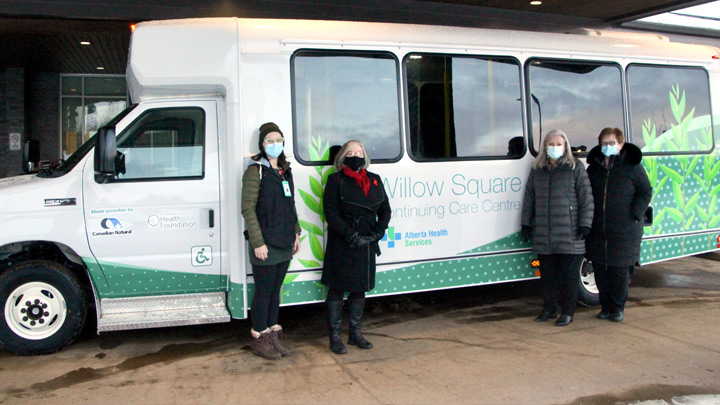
x=201 y=256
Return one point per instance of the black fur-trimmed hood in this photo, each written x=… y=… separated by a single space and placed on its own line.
x=629 y=154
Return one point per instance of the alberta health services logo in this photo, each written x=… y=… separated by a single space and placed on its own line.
x=112 y=226
x=414 y=239
x=390 y=237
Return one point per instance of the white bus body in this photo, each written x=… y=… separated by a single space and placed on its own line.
x=149 y=226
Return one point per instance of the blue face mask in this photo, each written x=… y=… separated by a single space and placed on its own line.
x=609 y=150
x=555 y=152
x=274 y=150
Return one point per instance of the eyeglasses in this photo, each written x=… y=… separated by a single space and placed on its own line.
x=272 y=141
x=356 y=154
x=611 y=143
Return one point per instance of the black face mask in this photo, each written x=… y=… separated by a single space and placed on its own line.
x=354 y=162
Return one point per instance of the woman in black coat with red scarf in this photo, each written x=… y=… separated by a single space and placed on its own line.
x=622 y=193
x=357 y=212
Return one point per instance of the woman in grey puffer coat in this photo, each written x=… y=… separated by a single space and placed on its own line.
x=557 y=215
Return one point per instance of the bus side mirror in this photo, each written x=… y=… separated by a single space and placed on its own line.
x=648 y=220
x=105 y=152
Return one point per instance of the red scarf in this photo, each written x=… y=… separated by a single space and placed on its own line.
x=360 y=177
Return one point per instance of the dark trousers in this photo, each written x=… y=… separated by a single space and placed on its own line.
x=338 y=295
x=266 y=301
x=560 y=279
x=612 y=282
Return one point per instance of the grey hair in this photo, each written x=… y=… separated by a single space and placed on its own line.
x=340 y=157
x=542 y=160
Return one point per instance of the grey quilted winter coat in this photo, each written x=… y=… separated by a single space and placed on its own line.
x=557 y=203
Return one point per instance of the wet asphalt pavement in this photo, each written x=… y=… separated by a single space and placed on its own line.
x=470 y=345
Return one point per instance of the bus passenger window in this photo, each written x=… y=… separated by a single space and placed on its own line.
x=339 y=96
x=462 y=107
x=669 y=108
x=579 y=98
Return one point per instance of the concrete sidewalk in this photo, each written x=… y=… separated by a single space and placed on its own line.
x=444 y=347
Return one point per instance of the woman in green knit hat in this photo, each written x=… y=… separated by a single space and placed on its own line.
x=268 y=207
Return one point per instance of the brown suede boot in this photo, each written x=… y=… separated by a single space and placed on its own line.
x=262 y=346
x=275 y=336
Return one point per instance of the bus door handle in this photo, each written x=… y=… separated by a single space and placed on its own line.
x=211 y=218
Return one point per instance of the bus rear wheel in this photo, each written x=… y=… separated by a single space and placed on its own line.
x=588 y=294
x=44 y=308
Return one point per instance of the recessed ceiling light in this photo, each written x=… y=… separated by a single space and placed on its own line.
x=100 y=68
x=535 y=3
x=84 y=43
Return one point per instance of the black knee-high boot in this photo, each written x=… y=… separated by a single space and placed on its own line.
x=334 y=321
x=356 y=306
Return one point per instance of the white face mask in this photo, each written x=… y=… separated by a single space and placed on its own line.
x=555 y=152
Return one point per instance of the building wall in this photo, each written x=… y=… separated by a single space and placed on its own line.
x=29 y=104
x=44 y=114
x=12 y=110
x=3 y=129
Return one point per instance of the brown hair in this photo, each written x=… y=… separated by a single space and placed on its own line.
x=619 y=136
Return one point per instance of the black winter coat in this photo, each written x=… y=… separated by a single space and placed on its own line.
x=557 y=203
x=622 y=194
x=348 y=210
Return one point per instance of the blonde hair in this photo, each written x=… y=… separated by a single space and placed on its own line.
x=542 y=160
x=340 y=157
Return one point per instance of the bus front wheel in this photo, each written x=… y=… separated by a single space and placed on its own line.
x=43 y=308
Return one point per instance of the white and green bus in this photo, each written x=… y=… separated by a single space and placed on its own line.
x=143 y=222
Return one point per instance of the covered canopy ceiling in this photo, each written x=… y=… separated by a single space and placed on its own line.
x=46 y=35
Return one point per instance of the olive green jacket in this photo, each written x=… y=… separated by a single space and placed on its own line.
x=249 y=197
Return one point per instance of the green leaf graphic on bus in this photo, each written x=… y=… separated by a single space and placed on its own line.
x=685 y=191
x=315 y=227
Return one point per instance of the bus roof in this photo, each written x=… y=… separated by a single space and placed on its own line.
x=201 y=56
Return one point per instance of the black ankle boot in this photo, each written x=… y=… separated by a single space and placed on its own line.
x=334 y=322
x=356 y=307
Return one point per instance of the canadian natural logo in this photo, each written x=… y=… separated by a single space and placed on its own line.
x=112 y=226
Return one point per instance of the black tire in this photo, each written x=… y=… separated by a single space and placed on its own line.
x=587 y=290
x=53 y=300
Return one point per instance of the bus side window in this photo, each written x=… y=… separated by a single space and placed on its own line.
x=669 y=109
x=164 y=143
x=463 y=107
x=578 y=97
x=344 y=95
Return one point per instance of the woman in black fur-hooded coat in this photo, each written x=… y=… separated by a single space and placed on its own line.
x=622 y=193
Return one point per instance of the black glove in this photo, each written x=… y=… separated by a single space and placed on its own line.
x=583 y=232
x=352 y=238
x=361 y=241
x=526 y=233
x=376 y=236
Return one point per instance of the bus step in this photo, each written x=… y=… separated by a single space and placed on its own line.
x=161 y=311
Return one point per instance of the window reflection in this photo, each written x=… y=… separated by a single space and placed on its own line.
x=343 y=96
x=669 y=108
x=166 y=143
x=579 y=98
x=463 y=107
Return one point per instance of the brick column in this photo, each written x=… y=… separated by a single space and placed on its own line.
x=12 y=110
x=45 y=113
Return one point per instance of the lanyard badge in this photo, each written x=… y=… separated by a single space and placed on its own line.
x=286 y=188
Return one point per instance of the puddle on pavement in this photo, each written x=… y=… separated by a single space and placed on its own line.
x=660 y=276
x=167 y=354
x=644 y=393
x=497 y=313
